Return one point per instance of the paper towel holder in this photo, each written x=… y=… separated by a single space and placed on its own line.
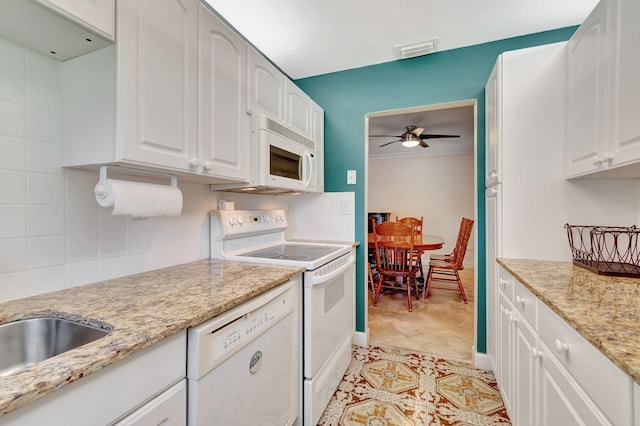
x=101 y=189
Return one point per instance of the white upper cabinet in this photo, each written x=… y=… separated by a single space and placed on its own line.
x=298 y=110
x=270 y=92
x=587 y=53
x=625 y=84
x=170 y=95
x=493 y=110
x=157 y=82
x=223 y=120
x=603 y=90
x=265 y=87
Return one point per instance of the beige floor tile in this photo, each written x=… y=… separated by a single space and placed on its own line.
x=441 y=324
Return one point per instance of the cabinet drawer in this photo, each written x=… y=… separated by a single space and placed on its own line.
x=608 y=386
x=505 y=284
x=526 y=303
x=168 y=408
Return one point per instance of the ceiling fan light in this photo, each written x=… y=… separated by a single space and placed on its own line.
x=410 y=140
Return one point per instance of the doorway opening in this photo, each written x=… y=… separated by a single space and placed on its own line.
x=438 y=183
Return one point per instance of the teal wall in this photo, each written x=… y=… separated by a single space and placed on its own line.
x=347 y=96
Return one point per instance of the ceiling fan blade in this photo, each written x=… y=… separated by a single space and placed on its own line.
x=418 y=131
x=431 y=136
x=423 y=144
x=384 y=136
x=389 y=143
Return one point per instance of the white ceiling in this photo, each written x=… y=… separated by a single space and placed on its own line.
x=311 y=37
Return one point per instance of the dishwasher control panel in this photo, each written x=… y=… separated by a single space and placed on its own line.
x=215 y=340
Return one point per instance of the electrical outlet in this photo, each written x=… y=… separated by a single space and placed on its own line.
x=346 y=207
x=351 y=177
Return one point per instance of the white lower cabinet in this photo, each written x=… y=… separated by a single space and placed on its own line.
x=132 y=385
x=548 y=374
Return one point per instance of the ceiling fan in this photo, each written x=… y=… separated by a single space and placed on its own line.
x=412 y=137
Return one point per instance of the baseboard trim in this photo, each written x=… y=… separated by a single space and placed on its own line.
x=481 y=360
x=360 y=338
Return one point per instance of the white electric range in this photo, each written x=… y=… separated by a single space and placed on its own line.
x=328 y=294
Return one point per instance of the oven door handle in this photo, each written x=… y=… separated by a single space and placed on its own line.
x=325 y=278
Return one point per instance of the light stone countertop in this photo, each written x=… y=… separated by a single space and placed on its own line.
x=604 y=310
x=142 y=309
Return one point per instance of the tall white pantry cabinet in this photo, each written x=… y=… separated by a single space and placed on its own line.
x=543 y=105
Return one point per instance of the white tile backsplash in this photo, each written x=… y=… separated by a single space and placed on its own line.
x=12 y=119
x=13 y=285
x=45 y=220
x=44 y=157
x=13 y=153
x=43 y=252
x=14 y=221
x=13 y=188
x=13 y=255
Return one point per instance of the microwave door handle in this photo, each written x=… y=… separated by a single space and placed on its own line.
x=307 y=155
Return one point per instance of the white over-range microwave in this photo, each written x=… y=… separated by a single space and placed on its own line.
x=281 y=161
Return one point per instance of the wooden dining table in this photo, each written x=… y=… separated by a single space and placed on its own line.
x=421 y=242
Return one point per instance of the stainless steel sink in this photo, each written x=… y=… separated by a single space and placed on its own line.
x=26 y=342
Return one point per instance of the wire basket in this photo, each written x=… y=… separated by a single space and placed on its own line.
x=607 y=250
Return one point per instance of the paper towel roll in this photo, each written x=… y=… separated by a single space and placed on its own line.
x=139 y=199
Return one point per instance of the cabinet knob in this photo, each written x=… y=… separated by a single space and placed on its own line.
x=194 y=162
x=493 y=174
x=503 y=282
x=596 y=160
x=520 y=300
x=561 y=346
x=535 y=353
x=208 y=165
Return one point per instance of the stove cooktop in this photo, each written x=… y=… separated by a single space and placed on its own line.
x=298 y=252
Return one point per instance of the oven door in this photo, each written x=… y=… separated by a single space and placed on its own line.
x=329 y=315
x=285 y=163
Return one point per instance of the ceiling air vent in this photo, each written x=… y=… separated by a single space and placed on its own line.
x=418 y=48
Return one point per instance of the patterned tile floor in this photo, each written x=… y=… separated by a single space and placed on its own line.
x=389 y=386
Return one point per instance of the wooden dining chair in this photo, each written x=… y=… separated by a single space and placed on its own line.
x=446 y=271
x=413 y=222
x=451 y=256
x=395 y=259
x=416 y=224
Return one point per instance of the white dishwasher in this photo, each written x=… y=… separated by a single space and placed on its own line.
x=243 y=365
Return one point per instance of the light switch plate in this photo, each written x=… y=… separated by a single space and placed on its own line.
x=351 y=177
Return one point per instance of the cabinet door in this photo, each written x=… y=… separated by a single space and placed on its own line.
x=525 y=370
x=157 y=76
x=265 y=88
x=625 y=84
x=298 y=107
x=222 y=104
x=561 y=402
x=493 y=246
x=505 y=360
x=586 y=93
x=493 y=120
x=317 y=135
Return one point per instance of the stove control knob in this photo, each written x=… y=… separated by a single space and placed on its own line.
x=239 y=220
x=232 y=221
